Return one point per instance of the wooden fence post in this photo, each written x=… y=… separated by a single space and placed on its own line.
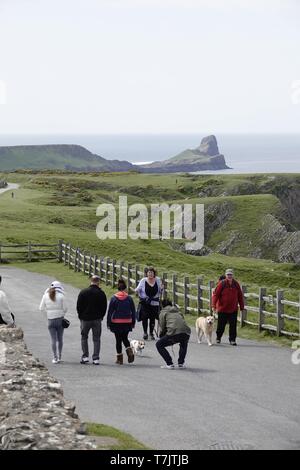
x=106 y=271
x=186 y=291
x=60 y=254
x=243 y=312
x=137 y=276
x=69 y=258
x=174 y=289
x=29 y=252
x=128 y=277
x=280 y=311
x=165 y=285
x=90 y=265
x=121 y=269
x=0 y=252
x=211 y=285
x=113 y=270
x=261 y=306
x=199 y=294
x=84 y=262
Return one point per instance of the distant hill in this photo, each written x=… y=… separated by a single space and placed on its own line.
x=64 y=157
x=204 y=157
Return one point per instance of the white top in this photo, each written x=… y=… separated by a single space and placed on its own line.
x=5 y=309
x=56 y=308
x=141 y=289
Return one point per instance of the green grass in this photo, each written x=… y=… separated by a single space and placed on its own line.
x=126 y=441
x=42 y=212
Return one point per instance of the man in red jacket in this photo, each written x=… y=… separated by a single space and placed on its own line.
x=226 y=298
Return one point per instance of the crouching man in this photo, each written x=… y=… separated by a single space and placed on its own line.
x=173 y=330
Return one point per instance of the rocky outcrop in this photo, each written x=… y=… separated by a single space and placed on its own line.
x=33 y=412
x=285 y=245
x=205 y=157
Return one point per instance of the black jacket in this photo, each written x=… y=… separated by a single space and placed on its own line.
x=91 y=304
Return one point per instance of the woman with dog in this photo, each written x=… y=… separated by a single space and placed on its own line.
x=149 y=291
x=121 y=317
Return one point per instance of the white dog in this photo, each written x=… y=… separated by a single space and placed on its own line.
x=205 y=326
x=137 y=346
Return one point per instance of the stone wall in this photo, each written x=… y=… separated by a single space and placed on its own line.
x=33 y=411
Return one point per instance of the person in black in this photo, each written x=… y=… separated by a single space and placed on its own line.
x=91 y=308
x=149 y=291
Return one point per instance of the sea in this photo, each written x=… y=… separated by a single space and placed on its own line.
x=244 y=153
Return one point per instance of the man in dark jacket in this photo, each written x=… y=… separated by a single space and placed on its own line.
x=226 y=298
x=91 y=308
x=173 y=330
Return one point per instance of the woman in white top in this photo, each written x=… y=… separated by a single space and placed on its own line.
x=149 y=291
x=53 y=302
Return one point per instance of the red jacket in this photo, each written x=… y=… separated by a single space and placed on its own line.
x=226 y=298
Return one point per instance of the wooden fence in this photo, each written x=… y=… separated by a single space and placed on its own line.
x=262 y=310
x=28 y=252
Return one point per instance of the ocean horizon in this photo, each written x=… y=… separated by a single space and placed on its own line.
x=244 y=153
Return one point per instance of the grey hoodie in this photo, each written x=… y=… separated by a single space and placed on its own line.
x=171 y=322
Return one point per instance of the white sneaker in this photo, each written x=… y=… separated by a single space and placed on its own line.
x=181 y=366
x=171 y=366
x=54 y=361
x=84 y=360
x=96 y=362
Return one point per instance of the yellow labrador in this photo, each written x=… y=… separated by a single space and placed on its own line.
x=205 y=326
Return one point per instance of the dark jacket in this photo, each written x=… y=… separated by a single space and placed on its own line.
x=121 y=313
x=171 y=322
x=91 y=304
x=226 y=297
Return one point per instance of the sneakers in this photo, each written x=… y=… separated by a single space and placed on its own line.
x=96 y=362
x=84 y=360
x=145 y=336
x=55 y=361
x=218 y=341
x=152 y=337
x=166 y=366
x=232 y=343
x=181 y=366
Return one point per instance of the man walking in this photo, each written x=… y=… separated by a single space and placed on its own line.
x=91 y=308
x=227 y=297
x=6 y=317
x=173 y=329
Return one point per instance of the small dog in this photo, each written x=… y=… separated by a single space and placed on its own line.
x=205 y=326
x=137 y=346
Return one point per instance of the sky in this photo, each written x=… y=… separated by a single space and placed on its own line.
x=149 y=66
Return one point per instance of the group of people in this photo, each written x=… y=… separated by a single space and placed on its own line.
x=122 y=315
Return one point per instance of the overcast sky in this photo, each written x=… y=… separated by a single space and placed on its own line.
x=149 y=66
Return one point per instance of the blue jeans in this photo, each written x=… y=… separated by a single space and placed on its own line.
x=56 y=333
x=165 y=341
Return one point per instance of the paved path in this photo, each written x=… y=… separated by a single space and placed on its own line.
x=9 y=187
x=240 y=397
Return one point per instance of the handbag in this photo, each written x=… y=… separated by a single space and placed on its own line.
x=65 y=323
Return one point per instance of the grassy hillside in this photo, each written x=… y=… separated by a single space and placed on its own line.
x=73 y=157
x=48 y=207
x=53 y=206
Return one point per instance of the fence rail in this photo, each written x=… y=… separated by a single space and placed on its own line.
x=28 y=252
x=193 y=296
x=263 y=310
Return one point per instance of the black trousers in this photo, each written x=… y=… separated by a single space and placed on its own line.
x=150 y=313
x=223 y=318
x=165 y=341
x=121 y=338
